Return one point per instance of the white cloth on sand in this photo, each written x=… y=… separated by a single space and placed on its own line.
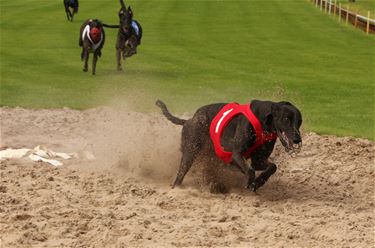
x=37 y=154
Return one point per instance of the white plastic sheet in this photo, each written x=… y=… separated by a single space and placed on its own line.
x=37 y=154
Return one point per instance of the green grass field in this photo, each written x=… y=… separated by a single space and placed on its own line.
x=194 y=53
x=360 y=6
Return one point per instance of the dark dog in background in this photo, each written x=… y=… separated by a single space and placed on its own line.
x=91 y=39
x=71 y=8
x=129 y=35
x=282 y=119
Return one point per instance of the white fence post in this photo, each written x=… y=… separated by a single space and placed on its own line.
x=330 y=6
x=347 y=15
x=326 y=6
x=368 y=22
x=334 y=10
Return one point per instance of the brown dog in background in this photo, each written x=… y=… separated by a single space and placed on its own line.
x=129 y=35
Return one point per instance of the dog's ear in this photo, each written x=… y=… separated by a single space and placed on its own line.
x=285 y=103
x=122 y=4
x=267 y=117
x=275 y=108
x=130 y=11
x=269 y=120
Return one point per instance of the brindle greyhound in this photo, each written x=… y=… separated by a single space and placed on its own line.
x=129 y=34
x=71 y=4
x=237 y=136
x=91 y=39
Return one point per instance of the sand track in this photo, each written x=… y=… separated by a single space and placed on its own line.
x=324 y=197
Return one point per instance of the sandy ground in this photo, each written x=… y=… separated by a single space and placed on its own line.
x=324 y=197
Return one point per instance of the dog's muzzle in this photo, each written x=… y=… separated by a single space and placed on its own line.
x=292 y=147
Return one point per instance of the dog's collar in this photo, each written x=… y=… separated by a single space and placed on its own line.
x=223 y=118
x=124 y=35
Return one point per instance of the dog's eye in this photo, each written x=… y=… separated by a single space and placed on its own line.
x=286 y=120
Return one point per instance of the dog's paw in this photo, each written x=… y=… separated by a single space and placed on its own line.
x=254 y=186
x=258 y=182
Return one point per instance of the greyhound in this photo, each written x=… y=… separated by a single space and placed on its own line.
x=129 y=35
x=91 y=39
x=71 y=4
x=236 y=133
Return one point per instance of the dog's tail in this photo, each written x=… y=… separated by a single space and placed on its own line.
x=167 y=114
x=110 y=26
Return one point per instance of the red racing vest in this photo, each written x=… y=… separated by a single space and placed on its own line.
x=222 y=119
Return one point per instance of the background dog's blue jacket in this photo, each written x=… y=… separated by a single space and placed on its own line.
x=135 y=27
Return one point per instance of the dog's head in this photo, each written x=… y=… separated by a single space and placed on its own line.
x=126 y=16
x=286 y=120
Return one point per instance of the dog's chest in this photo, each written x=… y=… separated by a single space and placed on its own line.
x=94 y=35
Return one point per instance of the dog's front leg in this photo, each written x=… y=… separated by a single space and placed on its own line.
x=86 y=58
x=241 y=162
x=67 y=14
x=94 y=60
x=118 y=55
x=268 y=170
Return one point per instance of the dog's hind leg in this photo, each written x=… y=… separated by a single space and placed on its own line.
x=191 y=145
x=186 y=163
x=94 y=60
x=67 y=15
